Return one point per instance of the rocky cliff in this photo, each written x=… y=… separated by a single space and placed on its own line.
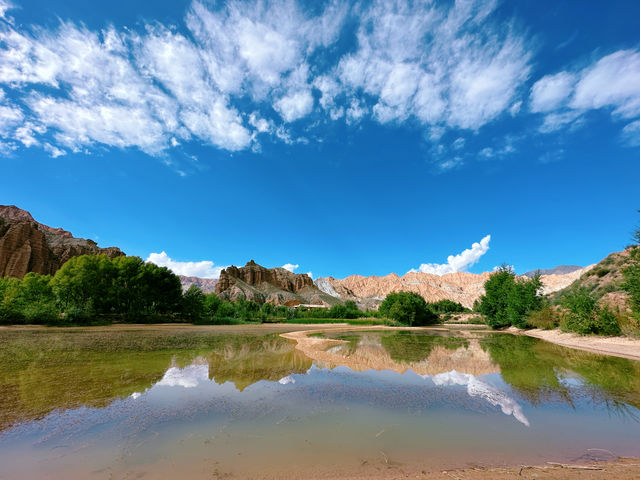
x=29 y=246
x=462 y=287
x=273 y=285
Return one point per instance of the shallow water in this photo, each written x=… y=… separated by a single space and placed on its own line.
x=162 y=403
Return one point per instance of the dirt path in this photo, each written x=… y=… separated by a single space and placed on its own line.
x=616 y=346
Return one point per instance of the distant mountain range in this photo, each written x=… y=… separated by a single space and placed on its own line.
x=559 y=270
x=29 y=246
x=207 y=285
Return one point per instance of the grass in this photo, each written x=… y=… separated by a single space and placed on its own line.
x=350 y=321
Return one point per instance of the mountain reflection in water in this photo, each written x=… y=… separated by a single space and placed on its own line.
x=198 y=374
x=191 y=404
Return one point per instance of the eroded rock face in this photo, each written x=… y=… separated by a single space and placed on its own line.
x=255 y=275
x=29 y=246
x=462 y=287
x=272 y=285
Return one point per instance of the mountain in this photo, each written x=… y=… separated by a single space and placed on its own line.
x=207 y=285
x=29 y=246
x=459 y=287
x=462 y=287
x=559 y=270
x=273 y=285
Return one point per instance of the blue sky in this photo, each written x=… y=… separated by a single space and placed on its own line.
x=340 y=137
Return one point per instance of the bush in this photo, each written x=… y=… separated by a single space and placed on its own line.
x=408 y=308
x=582 y=315
x=446 y=306
x=546 y=318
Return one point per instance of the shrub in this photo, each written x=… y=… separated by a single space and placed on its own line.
x=546 y=318
x=582 y=315
x=446 y=306
x=408 y=308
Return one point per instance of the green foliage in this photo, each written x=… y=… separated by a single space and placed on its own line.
x=446 y=306
x=636 y=234
x=87 y=286
x=583 y=315
x=546 y=318
x=193 y=303
x=509 y=300
x=631 y=283
x=123 y=286
x=408 y=308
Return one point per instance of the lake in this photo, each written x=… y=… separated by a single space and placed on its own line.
x=244 y=402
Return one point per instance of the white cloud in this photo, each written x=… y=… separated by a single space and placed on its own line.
x=202 y=269
x=435 y=64
x=154 y=89
x=4 y=6
x=631 y=134
x=556 y=121
x=10 y=118
x=54 y=151
x=612 y=82
x=552 y=91
x=290 y=266
x=295 y=106
x=450 y=164
x=460 y=262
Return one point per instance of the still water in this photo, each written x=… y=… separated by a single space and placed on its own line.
x=165 y=402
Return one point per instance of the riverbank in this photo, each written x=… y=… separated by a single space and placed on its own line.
x=617 y=346
x=620 y=469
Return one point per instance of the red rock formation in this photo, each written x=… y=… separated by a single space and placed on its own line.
x=255 y=275
x=29 y=246
x=272 y=285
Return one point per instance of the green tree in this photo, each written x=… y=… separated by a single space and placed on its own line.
x=636 y=234
x=211 y=304
x=446 y=306
x=631 y=274
x=631 y=283
x=494 y=304
x=85 y=280
x=193 y=303
x=509 y=300
x=35 y=299
x=408 y=308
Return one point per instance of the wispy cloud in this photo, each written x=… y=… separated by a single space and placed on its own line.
x=202 y=269
x=241 y=71
x=460 y=262
x=611 y=83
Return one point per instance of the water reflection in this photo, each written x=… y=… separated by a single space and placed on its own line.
x=249 y=401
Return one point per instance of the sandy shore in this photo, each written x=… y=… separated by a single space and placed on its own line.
x=621 y=469
x=617 y=346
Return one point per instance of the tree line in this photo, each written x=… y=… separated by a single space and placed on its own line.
x=96 y=289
